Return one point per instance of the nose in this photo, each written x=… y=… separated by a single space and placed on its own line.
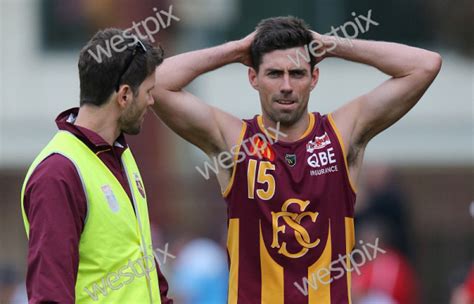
x=286 y=87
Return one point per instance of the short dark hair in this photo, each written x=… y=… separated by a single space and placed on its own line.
x=99 y=71
x=279 y=33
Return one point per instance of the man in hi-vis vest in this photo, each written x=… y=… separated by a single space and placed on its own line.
x=83 y=201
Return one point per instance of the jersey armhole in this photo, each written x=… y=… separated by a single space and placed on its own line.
x=78 y=172
x=341 y=144
x=226 y=192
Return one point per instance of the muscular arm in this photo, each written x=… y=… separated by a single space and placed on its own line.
x=207 y=127
x=411 y=72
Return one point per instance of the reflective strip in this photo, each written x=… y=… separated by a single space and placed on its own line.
x=137 y=212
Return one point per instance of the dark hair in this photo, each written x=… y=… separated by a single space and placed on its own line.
x=279 y=33
x=100 y=65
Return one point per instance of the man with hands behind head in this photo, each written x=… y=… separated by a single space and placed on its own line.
x=291 y=199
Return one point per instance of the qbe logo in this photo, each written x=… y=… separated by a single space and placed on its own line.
x=322 y=158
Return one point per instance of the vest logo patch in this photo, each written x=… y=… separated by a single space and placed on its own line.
x=110 y=197
x=139 y=183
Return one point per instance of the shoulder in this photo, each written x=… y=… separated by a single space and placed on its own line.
x=55 y=188
x=54 y=179
x=55 y=167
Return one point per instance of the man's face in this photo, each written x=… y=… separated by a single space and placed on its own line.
x=133 y=115
x=283 y=86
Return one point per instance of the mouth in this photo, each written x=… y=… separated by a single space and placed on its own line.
x=286 y=104
x=285 y=101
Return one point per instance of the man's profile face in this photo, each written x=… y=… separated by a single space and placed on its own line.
x=283 y=86
x=133 y=115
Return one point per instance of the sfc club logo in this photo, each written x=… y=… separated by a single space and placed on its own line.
x=139 y=183
x=293 y=220
x=318 y=142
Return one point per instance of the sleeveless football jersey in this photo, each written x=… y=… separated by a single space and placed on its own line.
x=290 y=217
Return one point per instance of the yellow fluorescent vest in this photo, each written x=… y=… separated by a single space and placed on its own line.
x=116 y=263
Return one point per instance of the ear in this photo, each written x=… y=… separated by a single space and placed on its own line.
x=253 y=78
x=124 y=96
x=314 y=77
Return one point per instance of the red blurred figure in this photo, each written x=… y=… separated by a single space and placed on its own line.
x=464 y=294
x=389 y=275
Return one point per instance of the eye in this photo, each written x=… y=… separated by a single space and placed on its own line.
x=297 y=74
x=274 y=74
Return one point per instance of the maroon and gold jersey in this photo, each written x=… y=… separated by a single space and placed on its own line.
x=290 y=217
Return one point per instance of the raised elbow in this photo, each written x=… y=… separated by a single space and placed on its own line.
x=433 y=63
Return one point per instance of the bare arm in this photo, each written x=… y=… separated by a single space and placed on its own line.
x=412 y=70
x=207 y=127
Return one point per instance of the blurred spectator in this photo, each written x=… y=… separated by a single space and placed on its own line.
x=201 y=273
x=11 y=291
x=464 y=294
x=389 y=277
x=382 y=199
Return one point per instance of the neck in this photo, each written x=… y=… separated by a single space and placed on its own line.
x=101 y=120
x=293 y=132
